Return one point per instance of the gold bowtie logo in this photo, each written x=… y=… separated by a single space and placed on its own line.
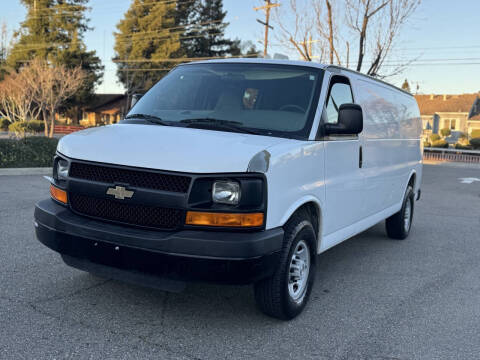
x=120 y=192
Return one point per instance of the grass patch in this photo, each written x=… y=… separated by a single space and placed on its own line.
x=29 y=152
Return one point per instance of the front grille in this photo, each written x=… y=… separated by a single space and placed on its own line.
x=138 y=178
x=132 y=214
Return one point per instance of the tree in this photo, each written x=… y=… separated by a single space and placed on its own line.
x=53 y=31
x=145 y=41
x=51 y=86
x=335 y=25
x=208 y=39
x=3 y=49
x=406 y=86
x=16 y=98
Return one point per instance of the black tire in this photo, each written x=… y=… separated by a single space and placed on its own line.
x=395 y=224
x=272 y=294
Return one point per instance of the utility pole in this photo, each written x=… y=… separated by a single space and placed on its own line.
x=267 y=7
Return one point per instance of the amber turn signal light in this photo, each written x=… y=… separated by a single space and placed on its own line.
x=224 y=219
x=58 y=194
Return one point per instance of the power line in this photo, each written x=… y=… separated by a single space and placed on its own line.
x=169 y=28
x=181 y=59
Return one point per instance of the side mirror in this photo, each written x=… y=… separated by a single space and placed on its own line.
x=350 y=121
x=135 y=98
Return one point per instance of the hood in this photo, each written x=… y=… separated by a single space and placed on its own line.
x=166 y=148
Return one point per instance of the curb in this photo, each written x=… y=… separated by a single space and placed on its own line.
x=453 y=164
x=26 y=171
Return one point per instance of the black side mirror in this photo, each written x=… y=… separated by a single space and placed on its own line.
x=350 y=121
x=135 y=98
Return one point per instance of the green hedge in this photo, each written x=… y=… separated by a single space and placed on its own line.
x=29 y=152
x=22 y=127
x=439 y=144
x=4 y=123
x=462 y=147
x=475 y=142
x=445 y=132
x=434 y=137
x=475 y=133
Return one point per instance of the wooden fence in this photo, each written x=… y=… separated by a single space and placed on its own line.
x=436 y=154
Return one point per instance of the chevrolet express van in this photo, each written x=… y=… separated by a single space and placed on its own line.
x=236 y=171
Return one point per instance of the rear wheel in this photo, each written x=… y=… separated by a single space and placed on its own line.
x=398 y=225
x=285 y=294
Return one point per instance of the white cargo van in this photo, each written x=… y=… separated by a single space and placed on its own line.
x=236 y=171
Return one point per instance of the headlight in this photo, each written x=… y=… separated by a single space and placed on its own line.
x=62 y=169
x=226 y=192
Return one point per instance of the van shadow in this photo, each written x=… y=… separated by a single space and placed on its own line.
x=124 y=308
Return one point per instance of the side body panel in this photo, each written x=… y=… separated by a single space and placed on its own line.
x=391 y=143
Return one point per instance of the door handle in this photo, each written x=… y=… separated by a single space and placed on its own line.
x=360 y=157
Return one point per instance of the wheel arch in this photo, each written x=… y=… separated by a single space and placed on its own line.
x=412 y=180
x=314 y=207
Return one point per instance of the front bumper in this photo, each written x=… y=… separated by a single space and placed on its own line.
x=131 y=254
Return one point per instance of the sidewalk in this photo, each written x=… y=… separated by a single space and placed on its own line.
x=26 y=171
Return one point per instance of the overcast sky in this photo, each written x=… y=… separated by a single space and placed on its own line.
x=443 y=35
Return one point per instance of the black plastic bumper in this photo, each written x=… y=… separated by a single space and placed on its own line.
x=95 y=246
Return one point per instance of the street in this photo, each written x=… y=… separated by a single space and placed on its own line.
x=374 y=298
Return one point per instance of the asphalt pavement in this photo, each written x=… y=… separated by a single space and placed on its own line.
x=374 y=298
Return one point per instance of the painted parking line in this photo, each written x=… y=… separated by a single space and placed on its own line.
x=468 y=180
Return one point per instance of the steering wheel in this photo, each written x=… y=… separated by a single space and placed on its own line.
x=294 y=107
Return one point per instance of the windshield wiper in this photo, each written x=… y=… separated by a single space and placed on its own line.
x=220 y=124
x=150 y=118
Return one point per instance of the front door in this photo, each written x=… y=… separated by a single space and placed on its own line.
x=344 y=180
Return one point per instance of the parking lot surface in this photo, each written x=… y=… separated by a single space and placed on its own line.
x=374 y=298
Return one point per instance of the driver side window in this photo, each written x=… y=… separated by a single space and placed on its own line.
x=340 y=93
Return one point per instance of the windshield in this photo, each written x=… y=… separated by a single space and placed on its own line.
x=266 y=99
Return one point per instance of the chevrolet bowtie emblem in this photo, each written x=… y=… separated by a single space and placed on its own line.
x=120 y=192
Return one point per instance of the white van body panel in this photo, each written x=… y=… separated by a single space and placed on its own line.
x=289 y=185
x=166 y=148
x=351 y=199
x=326 y=172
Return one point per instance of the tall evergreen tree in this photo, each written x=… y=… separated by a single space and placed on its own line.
x=3 y=49
x=54 y=30
x=206 y=36
x=146 y=36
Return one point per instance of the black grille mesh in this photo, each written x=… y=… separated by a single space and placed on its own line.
x=139 y=178
x=133 y=214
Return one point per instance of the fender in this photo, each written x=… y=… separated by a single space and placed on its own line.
x=299 y=203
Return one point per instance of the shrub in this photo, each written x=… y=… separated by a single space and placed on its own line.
x=475 y=133
x=475 y=142
x=462 y=147
x=4 y=123
x=29 y=152
x=445 y=132
x=434 y=137
x=37 y=126
x=426 y=144
x=439 y=144
x=20 y=128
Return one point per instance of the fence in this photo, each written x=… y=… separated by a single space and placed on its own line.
x=66 y=129
x=436 y=154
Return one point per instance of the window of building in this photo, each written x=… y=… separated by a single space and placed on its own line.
x=453 y=123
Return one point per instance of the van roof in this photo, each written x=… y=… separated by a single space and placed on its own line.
x=295 y=63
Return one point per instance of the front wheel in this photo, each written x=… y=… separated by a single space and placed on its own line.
x=398 y=225
x=285 y=294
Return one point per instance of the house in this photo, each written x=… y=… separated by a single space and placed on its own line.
x=459 y=113
x=104 y=109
